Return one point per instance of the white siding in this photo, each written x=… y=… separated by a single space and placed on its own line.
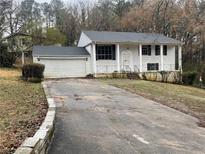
x=108 y=66
x=135 y=55
x=89 y=49
x=169 y=60
x=84 y=40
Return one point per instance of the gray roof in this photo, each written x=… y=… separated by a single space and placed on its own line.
x=132 y=37
x=59 y=51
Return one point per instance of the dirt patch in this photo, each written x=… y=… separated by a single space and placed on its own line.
x=23 y=107
x=9 y=73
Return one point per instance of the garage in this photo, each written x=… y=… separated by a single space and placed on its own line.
x=62 y=62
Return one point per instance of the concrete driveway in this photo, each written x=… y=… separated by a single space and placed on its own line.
x=94 y=118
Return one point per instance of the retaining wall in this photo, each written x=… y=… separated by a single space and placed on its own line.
x=39 y=143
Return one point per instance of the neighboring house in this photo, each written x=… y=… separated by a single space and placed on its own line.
x=18 y=42
x=107 y=52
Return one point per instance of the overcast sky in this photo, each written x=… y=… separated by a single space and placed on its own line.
x=68 y=1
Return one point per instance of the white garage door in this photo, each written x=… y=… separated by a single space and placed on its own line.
x=60 y=68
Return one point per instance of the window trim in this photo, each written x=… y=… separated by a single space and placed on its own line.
x=157 y=52
x=146 y=50
x=157 y=67
x=105 y=52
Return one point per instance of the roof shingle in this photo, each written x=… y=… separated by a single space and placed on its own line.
x=59 y=51
x=132 y=37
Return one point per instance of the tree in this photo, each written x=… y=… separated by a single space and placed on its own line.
x=4 y=6
x=48 y=14
x=180 y=19
x=121 y=7
x=138 y=19
x=54 y=36
x=57 y=6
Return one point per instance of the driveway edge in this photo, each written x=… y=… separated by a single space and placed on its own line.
x=39 y=143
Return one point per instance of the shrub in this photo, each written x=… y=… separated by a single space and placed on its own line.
x=90 y=76
x=203 y=75
x=115 y=74
x=144 y=77
x=189 y=77
x=133 y=75
x=164 y=75
x=33 y=72
x=34 y=80
x=7 y=59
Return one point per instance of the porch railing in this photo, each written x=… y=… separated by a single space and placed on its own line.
x=106 y=68
x=112 y=68
x=166 y=67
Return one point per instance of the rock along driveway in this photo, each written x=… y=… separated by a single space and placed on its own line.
x=94 y=118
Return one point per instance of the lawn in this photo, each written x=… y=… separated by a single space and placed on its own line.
x=23 y=107
x=187 y=99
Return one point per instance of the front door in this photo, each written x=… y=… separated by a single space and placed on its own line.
x=126 y=60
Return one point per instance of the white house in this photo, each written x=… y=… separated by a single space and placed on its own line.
x=106 y=52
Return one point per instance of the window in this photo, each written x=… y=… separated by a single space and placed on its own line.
x=152 y=66
x=157 y=50
x=165 y=50
x=105 y=52
x=146 y=50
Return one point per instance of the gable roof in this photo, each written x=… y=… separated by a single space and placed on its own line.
x=129 y=37
x=59 y=51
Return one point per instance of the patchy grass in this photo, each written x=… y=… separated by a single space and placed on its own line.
x=187 y=99
x=11 y=73
x=23 y=107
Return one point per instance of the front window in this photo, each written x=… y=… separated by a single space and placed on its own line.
x=105 y=52
x=157 y=50
x=146 y=50
x=165 y=50
x=152 y=66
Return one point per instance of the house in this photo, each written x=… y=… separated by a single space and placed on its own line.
x=105 y=52
x=18 y=42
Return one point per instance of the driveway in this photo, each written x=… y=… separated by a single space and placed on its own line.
x=94 y=118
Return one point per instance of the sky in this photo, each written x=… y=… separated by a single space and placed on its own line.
x=67 y=1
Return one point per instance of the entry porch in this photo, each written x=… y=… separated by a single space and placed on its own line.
x=109 y=58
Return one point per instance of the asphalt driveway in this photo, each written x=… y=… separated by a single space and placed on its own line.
x=94 y=118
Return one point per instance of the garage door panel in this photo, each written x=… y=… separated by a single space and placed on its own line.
x=64 y=67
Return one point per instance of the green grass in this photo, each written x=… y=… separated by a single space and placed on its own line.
x=187 y=99
x=22 y=109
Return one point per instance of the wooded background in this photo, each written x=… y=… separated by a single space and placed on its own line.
x=56 y=22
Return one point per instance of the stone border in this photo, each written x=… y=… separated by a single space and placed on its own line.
x=39 y=143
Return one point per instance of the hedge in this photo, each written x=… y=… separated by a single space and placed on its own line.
x=203 y=75
x=7 y=59
x=189 y=77
x=33 y=72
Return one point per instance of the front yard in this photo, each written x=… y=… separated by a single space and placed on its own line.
x=187 y=99
x=23 y=107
